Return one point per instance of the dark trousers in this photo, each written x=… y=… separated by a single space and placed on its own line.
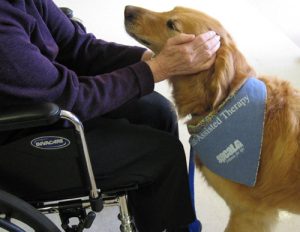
x=138 y=143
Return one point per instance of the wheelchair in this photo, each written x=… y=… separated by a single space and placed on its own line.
x=63 y=183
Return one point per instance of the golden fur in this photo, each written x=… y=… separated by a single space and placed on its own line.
x=253 y=209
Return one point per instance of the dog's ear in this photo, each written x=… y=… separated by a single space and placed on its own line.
x=230 y=66
x=223 y=73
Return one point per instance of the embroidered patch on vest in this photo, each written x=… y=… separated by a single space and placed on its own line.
x=229 y=141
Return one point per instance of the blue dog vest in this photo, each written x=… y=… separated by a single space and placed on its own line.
x=229 y=141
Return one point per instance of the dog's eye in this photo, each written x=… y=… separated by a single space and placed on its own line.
x=171 y=25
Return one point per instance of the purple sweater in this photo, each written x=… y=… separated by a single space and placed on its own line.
x=45 y=57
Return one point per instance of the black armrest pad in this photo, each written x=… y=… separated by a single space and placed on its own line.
x=26 y=116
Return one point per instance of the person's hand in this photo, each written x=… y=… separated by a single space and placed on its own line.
x=185 y=54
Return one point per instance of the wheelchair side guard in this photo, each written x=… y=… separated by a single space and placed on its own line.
x=59 y=172
x=11 y=119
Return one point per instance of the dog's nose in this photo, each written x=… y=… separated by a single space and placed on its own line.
x=130 y=13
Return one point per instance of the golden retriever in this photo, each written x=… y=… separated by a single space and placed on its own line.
x=253 y=209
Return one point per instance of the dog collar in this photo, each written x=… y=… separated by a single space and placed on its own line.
x=228 y=141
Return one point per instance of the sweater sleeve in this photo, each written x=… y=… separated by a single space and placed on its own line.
x=27 y=75
x=81 y=51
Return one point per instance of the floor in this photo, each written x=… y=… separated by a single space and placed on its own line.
x=267 y=34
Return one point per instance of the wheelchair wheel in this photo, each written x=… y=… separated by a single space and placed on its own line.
x=16 y=214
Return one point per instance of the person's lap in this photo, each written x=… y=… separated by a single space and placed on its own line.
x=132 y=143
x=138 y=144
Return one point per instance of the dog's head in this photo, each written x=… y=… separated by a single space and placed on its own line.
x=206 y=90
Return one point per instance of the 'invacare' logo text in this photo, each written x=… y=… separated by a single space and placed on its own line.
x=50 y=142
x=231 y=152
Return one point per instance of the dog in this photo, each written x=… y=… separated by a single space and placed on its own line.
x=277 y=187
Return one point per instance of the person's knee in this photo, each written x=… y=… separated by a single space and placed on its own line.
x=153 y=110
x=162 y=113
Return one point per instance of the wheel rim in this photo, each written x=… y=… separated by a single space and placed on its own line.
x=14 y=210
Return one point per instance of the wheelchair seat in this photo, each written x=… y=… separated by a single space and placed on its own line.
x=63 y=181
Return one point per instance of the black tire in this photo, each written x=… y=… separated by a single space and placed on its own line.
x=13 y=207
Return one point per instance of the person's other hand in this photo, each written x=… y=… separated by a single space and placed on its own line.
x=185 y=54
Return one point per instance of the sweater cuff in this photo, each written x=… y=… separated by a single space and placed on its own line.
x=144 y=77
x=135 y=54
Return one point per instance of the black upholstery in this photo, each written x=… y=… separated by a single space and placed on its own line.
x=25 y=116
x=38 y=174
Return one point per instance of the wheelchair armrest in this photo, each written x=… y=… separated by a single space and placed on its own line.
x=26 y=116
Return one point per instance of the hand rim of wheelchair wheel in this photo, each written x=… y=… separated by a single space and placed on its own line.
x=13 y=207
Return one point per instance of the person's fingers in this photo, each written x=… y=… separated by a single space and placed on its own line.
x=204 y=59
x=208 y=44
x=211 y=43
x=181 y=39
x=215 y=47
x=206 y=36
x=206 y=51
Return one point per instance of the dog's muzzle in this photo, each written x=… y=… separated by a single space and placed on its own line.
x=130 y=14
